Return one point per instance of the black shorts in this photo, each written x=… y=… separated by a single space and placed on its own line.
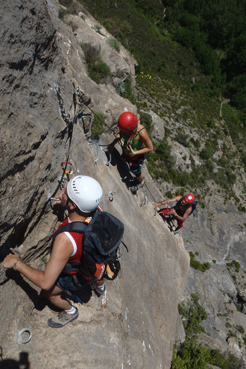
x=134 y=164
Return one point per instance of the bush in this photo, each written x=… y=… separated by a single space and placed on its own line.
x=184 y=179
x=197 y=264
x=98 y=70
x=182 y=138
x=192 y=355
x=92 y=53
x=98 y=125
x=231 y=177
x=146 y=120
x=206 y=153
x=196 y=143
x=169 y=194
x=114 y=44
x=124 y=89
x=234 y=264
x=71 y=8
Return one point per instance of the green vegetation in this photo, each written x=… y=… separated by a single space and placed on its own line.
x=98 y=124
x=190 y=354
x=69 y=7
x=114 y=44
x=193 y=315
x=206 y=153
x=124 y=89
x=234 y=265
x=190 y=68
x=97 y=69
x=161 y=162
x=208 y=29
x=146 y=120
x=197 y=264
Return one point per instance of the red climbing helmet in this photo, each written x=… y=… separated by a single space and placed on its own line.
x=189 y=198
x=127 y=121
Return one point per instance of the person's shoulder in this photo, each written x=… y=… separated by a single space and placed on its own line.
x=62 y=245
x=62 y=238
x=189 y=210
x=142 y=130
x=141 y=127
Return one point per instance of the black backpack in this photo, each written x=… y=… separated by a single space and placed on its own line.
x=194 y=204
x=100 y=244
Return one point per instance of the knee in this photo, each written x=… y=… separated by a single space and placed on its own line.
x=48 y=294
x=45 y=293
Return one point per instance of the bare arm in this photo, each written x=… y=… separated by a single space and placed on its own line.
x=179 y=217
x=111 y=146
x=147 y=143
x=164 y=202
x=61 y=251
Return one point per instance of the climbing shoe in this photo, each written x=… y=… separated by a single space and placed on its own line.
x=141 y=184
x=99 y=289
x=137 y=187
x=62 y=319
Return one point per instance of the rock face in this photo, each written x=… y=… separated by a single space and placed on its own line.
x=135 y=323
x=217 y=236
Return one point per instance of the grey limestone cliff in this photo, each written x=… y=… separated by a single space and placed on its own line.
x=135 y=324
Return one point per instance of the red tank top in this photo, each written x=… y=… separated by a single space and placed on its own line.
x=76 y=240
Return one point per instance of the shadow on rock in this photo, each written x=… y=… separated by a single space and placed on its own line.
x=23 y=362
x=125 y=175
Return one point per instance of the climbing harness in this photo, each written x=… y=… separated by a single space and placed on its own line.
x=169 y=220
x=24 y=330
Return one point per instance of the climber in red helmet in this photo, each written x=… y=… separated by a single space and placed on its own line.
x=180 y=211
x=136 y=143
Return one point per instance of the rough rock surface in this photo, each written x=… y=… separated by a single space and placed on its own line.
x=135 y=324
x=217 y=235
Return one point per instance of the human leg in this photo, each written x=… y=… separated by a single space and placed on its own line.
x=140 y=179
x=180 y=225
x=54 y=296
x=68 y=313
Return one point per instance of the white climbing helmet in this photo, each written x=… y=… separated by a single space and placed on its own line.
x=85 y=192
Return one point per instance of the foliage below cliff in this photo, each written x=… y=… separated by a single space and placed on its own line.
x=188 y=91
x=192 y=355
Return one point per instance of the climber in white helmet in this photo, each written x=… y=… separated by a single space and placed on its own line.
x=81 y=198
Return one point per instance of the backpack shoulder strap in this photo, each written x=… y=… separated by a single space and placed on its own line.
x=77 y=227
